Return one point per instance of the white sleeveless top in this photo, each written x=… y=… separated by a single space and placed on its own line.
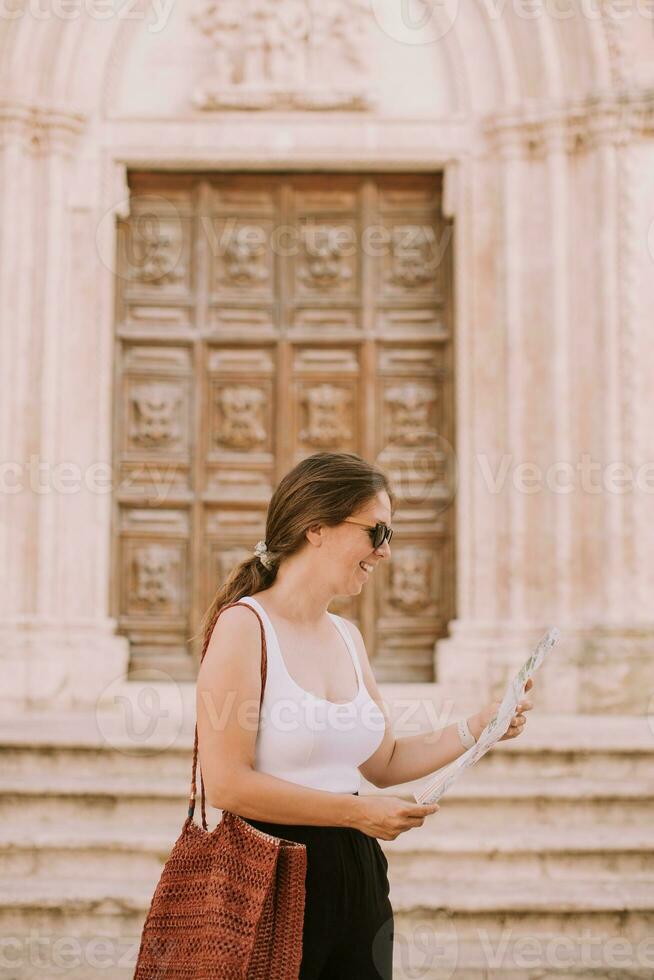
x=309 y=740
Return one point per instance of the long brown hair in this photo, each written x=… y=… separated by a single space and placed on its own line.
x=324 y=488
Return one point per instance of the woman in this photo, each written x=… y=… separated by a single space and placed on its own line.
x=294 y=770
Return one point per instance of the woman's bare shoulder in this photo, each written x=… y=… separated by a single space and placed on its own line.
x=236 y=628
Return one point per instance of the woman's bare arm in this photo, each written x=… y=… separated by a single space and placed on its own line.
x=402 y=760
x=227 y=699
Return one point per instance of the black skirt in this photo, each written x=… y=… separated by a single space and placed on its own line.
x=348 y=917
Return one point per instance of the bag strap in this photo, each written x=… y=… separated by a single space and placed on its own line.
x=264 y=669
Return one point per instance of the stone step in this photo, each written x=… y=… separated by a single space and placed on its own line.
x=498 y=804
x=537 y=929
x=174 y=762
x=548 y=840
x=507 y=972
x=559 y=747
x=544 y=898
x=89 y=762
x=77 y=747
x=416 y=856
x=556 y=854
x=118 y=855
x=457 y=925
x=79 y=927
x=495 y=805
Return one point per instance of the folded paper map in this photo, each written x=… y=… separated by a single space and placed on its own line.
x=495 y=728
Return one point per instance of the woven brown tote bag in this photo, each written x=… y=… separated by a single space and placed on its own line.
x=230 y=903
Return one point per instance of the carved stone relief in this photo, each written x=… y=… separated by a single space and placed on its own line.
x=244 y=262
x=154 y=421
x=155 y=253
x=413 y=259
x=284 y=55
x=154 y=588
x=324 y=263
x=326 y=409
x=410 y=586
x=411 y=415
x=240 y=424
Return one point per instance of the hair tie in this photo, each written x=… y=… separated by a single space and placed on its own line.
x=262 y=553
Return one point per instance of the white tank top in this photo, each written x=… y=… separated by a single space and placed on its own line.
x=309 y=740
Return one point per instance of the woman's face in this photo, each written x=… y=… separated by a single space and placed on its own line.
x=349 y=545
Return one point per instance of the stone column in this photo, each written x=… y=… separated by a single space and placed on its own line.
x=492 y=627
x=617 y=654
x=57 y=644
x=556 y=339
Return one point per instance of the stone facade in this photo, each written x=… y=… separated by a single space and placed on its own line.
x=544 y=130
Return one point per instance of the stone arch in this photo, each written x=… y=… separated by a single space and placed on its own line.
x=66 y=62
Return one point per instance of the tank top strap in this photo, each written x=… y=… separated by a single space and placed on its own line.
x=255 y=604
x=271 y=637
x=248 y=600
x=346 y=633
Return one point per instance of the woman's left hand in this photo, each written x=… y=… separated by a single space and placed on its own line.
x=518 y=721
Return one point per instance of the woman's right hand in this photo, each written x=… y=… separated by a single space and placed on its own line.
x=389 y=816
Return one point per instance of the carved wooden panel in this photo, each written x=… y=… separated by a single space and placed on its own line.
x=262 y=318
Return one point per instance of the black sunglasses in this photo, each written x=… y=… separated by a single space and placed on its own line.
x=378 y=533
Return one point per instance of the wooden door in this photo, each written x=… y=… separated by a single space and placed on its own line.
x=261 y=318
